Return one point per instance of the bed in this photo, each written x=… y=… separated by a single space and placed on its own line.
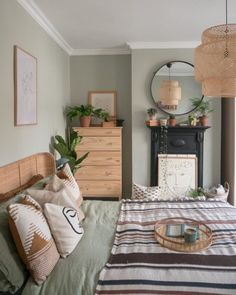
x=118 y=253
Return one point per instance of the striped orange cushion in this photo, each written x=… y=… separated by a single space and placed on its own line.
x=33 y=240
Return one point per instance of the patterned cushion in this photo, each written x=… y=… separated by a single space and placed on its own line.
x=146 y=192
x=27 y=200
x=68 y=179
x=61 y=198
x=65 y=227
x=33 y=240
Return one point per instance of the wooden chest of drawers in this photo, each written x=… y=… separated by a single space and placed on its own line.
x=101 y=174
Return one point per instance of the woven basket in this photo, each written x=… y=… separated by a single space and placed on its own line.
x=221 y=197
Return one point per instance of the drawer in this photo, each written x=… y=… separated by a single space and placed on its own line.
x=101 y=158
x=99 y=143
x=98 y=173
x=100 y=189
x=98 y=131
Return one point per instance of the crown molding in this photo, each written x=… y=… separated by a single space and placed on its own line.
x=41 y=19
x=163 y=45
x=102 y=51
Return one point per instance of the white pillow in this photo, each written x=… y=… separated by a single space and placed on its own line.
x=61 y=198
x=146 y=192
x=68 y=179
x=65 y=227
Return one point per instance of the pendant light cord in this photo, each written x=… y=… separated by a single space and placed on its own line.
x=226 y=53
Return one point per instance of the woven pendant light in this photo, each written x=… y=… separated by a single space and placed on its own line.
x=215 y=61
x=170 y=92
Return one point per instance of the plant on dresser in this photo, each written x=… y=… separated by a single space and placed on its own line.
x=67 y=150
x=84 y=113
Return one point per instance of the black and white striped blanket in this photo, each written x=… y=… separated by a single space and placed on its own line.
x=139 y=265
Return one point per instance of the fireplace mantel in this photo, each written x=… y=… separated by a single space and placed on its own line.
x=180 y=140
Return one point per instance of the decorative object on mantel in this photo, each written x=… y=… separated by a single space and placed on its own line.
x=218 y=193
x=215 y=60
x=192 y=119
x=163 y=122
x=152 y=117
x=172 y=121
x=203 y=108
x=25 y=87
x=152 y=113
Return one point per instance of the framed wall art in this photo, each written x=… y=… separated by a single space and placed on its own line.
x=105 y=100
x=25 y=87
x=178 y=172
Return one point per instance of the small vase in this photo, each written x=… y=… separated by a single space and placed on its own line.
x=85 y=121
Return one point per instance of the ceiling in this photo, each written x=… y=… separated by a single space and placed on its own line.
x=92 y=25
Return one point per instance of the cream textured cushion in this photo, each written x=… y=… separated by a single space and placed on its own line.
x=33 y=240
x=68 y=179
x=61 y=198
x=146 y=192
x=65 y=227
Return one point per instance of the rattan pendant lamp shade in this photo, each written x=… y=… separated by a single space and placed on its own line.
x=170 y=92
x=215 y=61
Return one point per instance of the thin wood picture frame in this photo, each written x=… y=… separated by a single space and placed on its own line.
x=183 y=168
x=105 y=100
x=25 y=88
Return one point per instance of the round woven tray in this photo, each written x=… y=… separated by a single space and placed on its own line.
x=178 y=243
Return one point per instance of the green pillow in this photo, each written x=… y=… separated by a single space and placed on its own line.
x=12 y=270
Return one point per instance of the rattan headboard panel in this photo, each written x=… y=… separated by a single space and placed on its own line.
x=20 y=172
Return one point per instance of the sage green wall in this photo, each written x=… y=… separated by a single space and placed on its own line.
x=18 y=28
x=144 y=63
x=111 y=72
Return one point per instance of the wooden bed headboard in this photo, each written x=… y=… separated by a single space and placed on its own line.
x=20 y=172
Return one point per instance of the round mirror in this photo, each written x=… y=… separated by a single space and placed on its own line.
x=172 y=87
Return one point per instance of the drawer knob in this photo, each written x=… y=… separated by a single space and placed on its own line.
x=178 y=142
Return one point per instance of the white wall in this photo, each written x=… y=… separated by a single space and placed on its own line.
x=144 y=63
x=18 y=28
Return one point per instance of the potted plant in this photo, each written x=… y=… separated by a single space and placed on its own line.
x=84 y=112
x=67 y=150
x=152 y=113
x=192 y=119
x=203 y=107
x=172 y=120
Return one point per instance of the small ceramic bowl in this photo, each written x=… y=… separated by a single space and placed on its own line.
x=163 y=122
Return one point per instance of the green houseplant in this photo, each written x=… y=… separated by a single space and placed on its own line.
x=84 y=113
x=66 y=149
x=204 y=108
x=152 y=113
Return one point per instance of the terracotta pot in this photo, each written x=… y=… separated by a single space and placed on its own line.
x=85 y=121
x=172 y=122
x=203 y=120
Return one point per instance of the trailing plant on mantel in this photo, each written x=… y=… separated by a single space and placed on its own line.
x=66 y=149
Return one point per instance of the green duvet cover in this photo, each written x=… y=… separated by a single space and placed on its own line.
x=78 y=273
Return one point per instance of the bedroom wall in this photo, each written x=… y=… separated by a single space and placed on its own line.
x=107 y=72
x=144 y=63
x=18 y=28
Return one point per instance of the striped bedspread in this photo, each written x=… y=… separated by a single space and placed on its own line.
x=139 y=265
